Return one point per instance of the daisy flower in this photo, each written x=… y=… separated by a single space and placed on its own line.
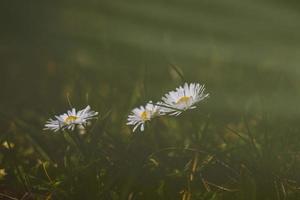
x=183 y=98
x=71 y=119
x=139 y=116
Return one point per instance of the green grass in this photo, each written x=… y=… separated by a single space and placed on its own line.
x=241 y=143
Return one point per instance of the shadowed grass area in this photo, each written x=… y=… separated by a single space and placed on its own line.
x=242 y=142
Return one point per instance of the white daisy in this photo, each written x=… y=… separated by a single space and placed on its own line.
x=183 y=98
x=139 y=116
x=70 y=119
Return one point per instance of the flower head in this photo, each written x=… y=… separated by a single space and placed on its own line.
x=70 y=119
x=183 y=98
x=139 y=116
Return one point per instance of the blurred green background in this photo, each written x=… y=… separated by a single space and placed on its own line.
x=115 y=55
x=244 y=51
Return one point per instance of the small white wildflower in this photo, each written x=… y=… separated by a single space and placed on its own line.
x=183 y=98
x=139 y=116
x=70 y=119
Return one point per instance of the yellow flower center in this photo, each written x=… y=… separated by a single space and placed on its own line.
x=70 y=119
x=144 y=116
x=183 y=99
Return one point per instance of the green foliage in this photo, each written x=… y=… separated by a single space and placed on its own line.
x=193 y=156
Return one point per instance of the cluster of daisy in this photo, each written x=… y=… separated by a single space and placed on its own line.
x=173 y=103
